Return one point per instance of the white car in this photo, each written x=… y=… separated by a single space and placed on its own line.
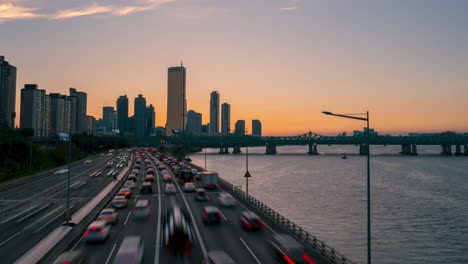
x=88 y=161
x=227 y=200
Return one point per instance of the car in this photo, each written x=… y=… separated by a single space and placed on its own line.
x=150 y=178
x=219 y=257
x=149 y=167
x=129 y=184
x=167 y=178
x=170 y=188
x=119 y=201
x=189 y=187
x=177 y=231
x=136 y=172
x=227 y=200
x=201 y=194
x=132 y=177
x=161 y=167
x=136 y=166
x=198 y=176
x=249 y=220
x=141 y=210
x=97 y=231
x=164 y=172
x=109 y=215
x=288 y=250
x=150 y=171
x=109 y=165
x=75 y=256
x=88 y=161
x=211 y=215
x=146 y=186
x=125 y=192
x=130 y=251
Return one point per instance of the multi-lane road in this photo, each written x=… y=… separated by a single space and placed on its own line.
x=241 y=245
x=31 y=210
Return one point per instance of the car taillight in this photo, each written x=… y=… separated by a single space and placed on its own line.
x=86 y=233
x=102 y=232
x=309 y=260
x=205 y=214
x=288 y=259
x=122 y=202
x=247 y=223
x=259 y=222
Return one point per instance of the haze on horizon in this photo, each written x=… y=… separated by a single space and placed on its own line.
x=280 y=61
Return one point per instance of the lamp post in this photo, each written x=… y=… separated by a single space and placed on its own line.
x=352 y=116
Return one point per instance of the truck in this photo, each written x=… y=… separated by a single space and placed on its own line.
x=210 y=180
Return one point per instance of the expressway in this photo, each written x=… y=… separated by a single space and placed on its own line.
x=31 y=210
x=241 y=245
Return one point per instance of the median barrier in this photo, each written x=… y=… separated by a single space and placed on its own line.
x=299 y=233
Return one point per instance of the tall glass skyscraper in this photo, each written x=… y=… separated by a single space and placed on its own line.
x=214 y=112
x=194 y=122
x=139 y=123
x=225 y=118
x=122 y=114
x=176 y=101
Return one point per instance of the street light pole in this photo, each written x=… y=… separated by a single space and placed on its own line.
x=205 y=157
x=68 y=180
x=368 y=175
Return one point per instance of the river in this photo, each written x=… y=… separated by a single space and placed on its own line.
x=419 y=203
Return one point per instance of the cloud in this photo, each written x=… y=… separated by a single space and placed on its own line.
x=9 y=12
x=288 y=8
x=90 y=10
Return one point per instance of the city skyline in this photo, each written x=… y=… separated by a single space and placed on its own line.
x=405 y=68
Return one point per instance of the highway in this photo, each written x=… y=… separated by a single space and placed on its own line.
x=241 y=245
x=31 y=210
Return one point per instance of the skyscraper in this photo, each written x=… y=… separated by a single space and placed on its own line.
x=176 y=102
x=60 y=114
x=7 y=93
x=80 y=110
x=139 y=122
x=122 y=114
x=108 y=117
x=214 y=112
x=240 y=127
x=150 y=120
x=225 y=118
x=194 y=122
x=256 y=128
x=35 y=110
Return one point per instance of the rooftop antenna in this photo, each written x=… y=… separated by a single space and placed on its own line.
x=181 y=64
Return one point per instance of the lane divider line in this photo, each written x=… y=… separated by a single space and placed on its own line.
x=20 y=214
x=32 y=213
x=8 y=239
x=251 y=252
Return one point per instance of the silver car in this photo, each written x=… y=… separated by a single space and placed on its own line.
x=109 y=215
x=227 y=200
x=141 y=210
x=130 y=251
x=170 y=188
x=97 y=231
x=119 y=201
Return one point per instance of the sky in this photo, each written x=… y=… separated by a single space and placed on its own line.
x=280 y=61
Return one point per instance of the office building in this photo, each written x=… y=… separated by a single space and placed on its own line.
x=194 y=122
x=225 y=118
x=240 y=127
x=205 y=128
x=35 y=110
x=108 y=118
x=139 y=120
x=256 y=128
x=150 y=120
x=90 y=124
x=78 y=110
x=214 y=112
x=176 y=102
x=60 y=114
x=7 y=93
x=122 y=114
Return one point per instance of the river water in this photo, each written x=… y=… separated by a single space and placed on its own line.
x=419 y=203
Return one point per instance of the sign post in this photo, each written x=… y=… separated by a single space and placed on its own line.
x=247 y=176
x=66 y=137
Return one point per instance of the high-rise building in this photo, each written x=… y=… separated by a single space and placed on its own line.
x=60 y=114
x=150 y=120
x=7 y=93
x=35 y=110
x=214 y=112
x=90 y=124
x=225 y=118
x=240 y=127
x=205 y=129
x=122 y=114
x=79 y=111
x=194 y=122
x=176 y=101
x=108 y=117
x=256 y=128
x=139 y=122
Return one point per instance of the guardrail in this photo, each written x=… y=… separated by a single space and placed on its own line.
x=298 y=232
x=79 y=228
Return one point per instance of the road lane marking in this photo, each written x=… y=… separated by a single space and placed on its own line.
x=112 y=251
x=128 y=216
x=19 y=214
x=32 y=213
x=158 y=232
x=253 y=255
x=44 y=217
x=52 y=220
x=8 y=239
x=222 y=215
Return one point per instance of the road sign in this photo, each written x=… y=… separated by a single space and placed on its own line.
x=247 y=175
x=64 y=136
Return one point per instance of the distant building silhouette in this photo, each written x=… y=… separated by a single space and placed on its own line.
x=206 y=128
x=240 y=127
x=194 y=122
x=139 y=121
x=60 y=114
x=176 y=101
x=256 y=128
x=109 y=118
x=122 y=114
x=79 y=110
x=214 y=112
x=371 y=132
x=150 y=120
x=225 y=118
x=35 y=110
x=7 y=93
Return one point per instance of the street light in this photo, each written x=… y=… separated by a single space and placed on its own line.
x=352 y=116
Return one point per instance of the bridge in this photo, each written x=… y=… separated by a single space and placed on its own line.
x=33 y=214
x=408 y=143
